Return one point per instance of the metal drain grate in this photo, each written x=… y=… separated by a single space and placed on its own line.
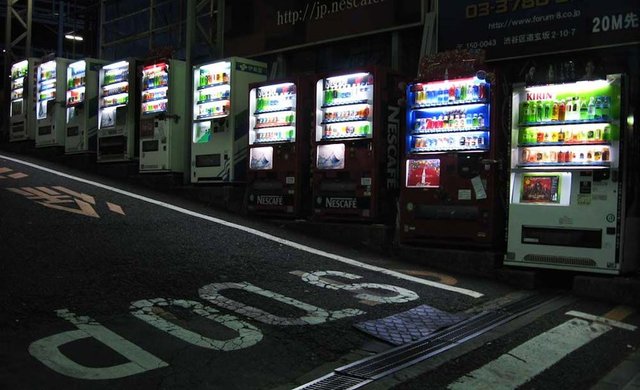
x=335 y=382
x=395 y=359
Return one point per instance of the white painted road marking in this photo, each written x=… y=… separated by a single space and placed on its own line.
x=315 y=315
x=400 y=295
x=256 y=232
x=602 y=320
x=529 y=359
x=248 y=335
x=47 y=351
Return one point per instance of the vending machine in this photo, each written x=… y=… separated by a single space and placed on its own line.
x=50 y=104
x=220 y=119
x=162 y=117
x=448 y=194
x=566 y=208
x=22 y=112
x=82 y=106
x=355 y=149
x=278 y=174
x=118 y=112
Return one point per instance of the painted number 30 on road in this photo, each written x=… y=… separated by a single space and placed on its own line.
x=155 y=313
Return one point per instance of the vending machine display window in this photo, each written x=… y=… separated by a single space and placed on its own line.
x=423 y=173
x=273 y=118
x=155 y=84
x=76 y=80
x=330 y=156
x=212 y=91
x=261 y=158
x=18 y=74
x=450 y=115
x=346 y=105
x=115 y=87
x=46 y=87
x=566 y=125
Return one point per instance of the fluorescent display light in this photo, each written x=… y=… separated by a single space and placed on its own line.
x=73 y=37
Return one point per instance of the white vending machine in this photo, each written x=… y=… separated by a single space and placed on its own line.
x=162 y=118
x=50 y=103
x=566 y=208
x=82 y=106
x=117 y=113
x=220 y=118
x=22 y=113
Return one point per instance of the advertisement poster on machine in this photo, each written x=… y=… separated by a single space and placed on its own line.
x=518 y=28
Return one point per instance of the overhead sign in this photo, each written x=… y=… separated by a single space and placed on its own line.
x=279 y=25
x=520 y=28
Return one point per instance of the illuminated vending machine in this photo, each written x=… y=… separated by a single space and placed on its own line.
x=82 y=106
x=566 y=208
x=219 y=126
x=355 y=147
x=278 y=175
x=118 y=112
x=448 y=195
x=50 y=103
x=162 y=132
x=22 y=113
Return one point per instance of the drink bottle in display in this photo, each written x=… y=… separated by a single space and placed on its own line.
x=597 y=112
x=584 y=110
x=591 y=108
x=605 y=107
x=561 y=111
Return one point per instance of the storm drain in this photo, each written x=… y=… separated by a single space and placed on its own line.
x=410 y=325
x=367 y=370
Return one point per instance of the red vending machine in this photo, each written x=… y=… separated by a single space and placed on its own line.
x=448 y=196
x=278 y=168
x=355 y=147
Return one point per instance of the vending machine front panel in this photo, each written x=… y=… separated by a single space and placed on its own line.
x=447 y=193
x=566 y=188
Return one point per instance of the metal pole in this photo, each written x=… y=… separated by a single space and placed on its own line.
x=101 y=28
x=60 y=29
x=29 y=20
x=8 y=55
x=220 y=29
x=191 y=31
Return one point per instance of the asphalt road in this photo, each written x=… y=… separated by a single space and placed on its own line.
x=109 y=286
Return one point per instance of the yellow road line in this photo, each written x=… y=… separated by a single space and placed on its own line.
x=619 y=313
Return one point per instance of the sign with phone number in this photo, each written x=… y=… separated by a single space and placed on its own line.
x=521 y=28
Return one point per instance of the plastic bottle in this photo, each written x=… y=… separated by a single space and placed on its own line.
x=591 y=108
x=597 y=114
x=548 y=107
x=606 y=108
x=539 y=111
x=584 y=110
x=561 y=110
